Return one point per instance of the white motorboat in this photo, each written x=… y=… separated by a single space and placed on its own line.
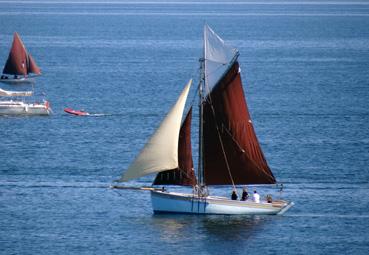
x=12 y=107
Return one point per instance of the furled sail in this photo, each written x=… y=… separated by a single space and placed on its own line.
x=231 y=148
x=184 y=174
x=19 y=62
x=161 y=151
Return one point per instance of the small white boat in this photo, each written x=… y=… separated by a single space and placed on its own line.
x=19 y=65
x=11 y=108
x=228 y=150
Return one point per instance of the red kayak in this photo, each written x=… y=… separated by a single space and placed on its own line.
x=76 y=112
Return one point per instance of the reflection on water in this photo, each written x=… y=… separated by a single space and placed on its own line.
x=233 y=227
x=174 y=228
x=177 y=228
x=234 y=232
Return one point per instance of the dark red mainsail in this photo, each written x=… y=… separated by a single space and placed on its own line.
x=184 y=175
x=225 y=107
x=19 y=62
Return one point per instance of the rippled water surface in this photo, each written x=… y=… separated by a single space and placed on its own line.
x=306 y=80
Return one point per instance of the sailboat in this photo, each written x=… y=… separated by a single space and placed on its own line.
x=19 y=107
x=19 y=64
x=229 y=151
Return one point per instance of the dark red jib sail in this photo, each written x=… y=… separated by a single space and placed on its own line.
x=185 y=174
x=19 y=62
x=32 y=66
x=241 y=148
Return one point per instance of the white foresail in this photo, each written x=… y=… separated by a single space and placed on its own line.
x=7 y=93
x=161 y=151
x=217 y=56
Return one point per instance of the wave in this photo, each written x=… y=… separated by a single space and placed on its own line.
x=327 y=215
x=158 y=2
x=227 y=14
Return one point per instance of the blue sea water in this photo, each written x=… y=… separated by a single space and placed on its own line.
x=305 y=67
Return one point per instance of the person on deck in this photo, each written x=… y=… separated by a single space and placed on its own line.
x=234 y=195
x=269 y=198
x=256 y=197
x=245 y=194
x=196 y=189
x=204 y=191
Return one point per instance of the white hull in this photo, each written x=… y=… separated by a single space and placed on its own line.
x=22 y=108
x=19 y=81
x=170 y=202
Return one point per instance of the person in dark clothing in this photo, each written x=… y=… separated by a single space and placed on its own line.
x=234 y=195
x=245 y=194
x=269 y=198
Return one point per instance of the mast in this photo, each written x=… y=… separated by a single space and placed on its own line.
x=200 y=172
